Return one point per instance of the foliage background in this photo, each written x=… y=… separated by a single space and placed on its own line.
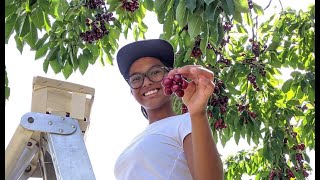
x=289 y=36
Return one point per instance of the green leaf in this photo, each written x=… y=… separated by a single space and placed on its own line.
x=83 y=63
x=293 y=102
x=135 y=32
x=148 y=4
x=228 y=6
x=205 y=40
x=220 y=33
x=160 y=8
x=101 y=56
x=7 y=89
x=19 y=42
x=311 y=95
x=194 y=26
x=237 y=136
x=114 y=4
x=94 y=51
x=52 y=55
x=7 y=92
x=267 y=153
x=287 y=85
x=45 y=65
x=42 y=51
x=46 y=21
x=237 y=16
x=279 y=134
x=19 y=23
x=9 y=10
x=25 y=28
x=303 y=85
x=274 y=61
x=40 y=42
x=181 y=14
x=37 y=18
x=187 y=55
x=9 y=26
x=223 y=140
x=241 y=29
x=208 y=1
x=258 y=9
x=62 y=55
x=109 y=58
x=56 y=67
x=54 y=7
x=248 y=19
x=298 y=113
x=295 y=74
x=45 y=6
x=212 y=13
x=191 y=5
x=306 y=157
x=32 y=36
x=276 y=40
x=241 y=6
x=67 y=70
x=168 y=24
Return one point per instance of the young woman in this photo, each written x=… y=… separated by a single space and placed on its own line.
x=172 y=147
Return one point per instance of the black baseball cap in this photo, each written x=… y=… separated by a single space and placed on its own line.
x=157 y=48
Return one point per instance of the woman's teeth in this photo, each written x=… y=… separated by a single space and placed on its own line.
x=151 y=92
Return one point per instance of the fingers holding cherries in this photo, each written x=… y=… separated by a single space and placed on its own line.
x=176 y=81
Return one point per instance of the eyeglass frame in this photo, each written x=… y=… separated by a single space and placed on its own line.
x=145 y=75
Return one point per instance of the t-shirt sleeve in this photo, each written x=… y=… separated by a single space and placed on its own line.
x=184 y=128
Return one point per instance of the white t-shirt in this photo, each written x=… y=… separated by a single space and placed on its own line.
x=157 y=153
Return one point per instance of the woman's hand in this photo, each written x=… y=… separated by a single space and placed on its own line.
x=199 y=89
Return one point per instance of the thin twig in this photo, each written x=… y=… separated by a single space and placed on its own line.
x=267 y=5
x=253 y=36
x=265 y=8
x=281 y=5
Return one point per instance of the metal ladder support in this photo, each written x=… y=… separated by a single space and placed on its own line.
x=62 y=139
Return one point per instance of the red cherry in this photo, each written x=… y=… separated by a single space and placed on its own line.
x=177 y=78
x=175 y=88
x=167 y=91
x=180 y=93
x=253 y=115
x=216 y=124
x=184 y=84
x=167 y=82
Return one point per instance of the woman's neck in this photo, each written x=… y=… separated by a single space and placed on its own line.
x=160 y=113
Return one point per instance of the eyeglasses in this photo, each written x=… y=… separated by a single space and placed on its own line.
x=154 y=74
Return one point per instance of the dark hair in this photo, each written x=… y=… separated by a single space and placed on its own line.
x=144 y=112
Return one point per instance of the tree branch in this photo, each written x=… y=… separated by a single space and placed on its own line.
x=267 y=5
x=281 y=5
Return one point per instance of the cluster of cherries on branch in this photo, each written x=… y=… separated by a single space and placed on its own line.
x=178 y=83
x=298 y=148
x=220 y=101
x=299 y=166
x=244 y=109
x=130 y=5
x=196 y=51
x=95 y=4
x=97 y=28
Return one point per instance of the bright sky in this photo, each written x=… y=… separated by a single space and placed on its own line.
x=115 y=117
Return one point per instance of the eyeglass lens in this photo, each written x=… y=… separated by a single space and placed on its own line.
x=155 y=75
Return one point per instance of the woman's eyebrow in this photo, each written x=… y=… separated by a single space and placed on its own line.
x=146 y=71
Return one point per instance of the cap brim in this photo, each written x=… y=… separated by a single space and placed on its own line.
x=156 y=48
